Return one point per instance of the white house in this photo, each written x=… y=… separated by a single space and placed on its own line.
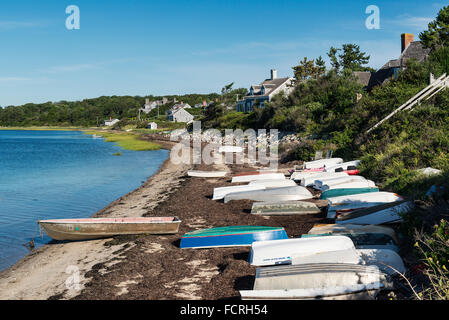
x=149 y=106
x=181 y=106
x=179 y=115
x=264 y=92
x=111 y=122
x=152 y=125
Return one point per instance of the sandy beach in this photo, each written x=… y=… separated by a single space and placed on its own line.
x=151 y=267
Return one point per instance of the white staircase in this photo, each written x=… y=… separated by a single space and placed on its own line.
x=424 y=95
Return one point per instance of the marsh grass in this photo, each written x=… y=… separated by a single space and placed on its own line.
x=127 y=141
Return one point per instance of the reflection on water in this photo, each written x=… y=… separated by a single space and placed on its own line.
x=60 y=174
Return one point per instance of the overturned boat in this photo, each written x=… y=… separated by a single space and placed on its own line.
x=323 y=163
x=380 y=214
x=206 y=174
x=318 y=281
x=286 y=208
x=351 y=165
x=366 y=240
x=346 y=192
x=97 y=228
x=309 y=180
x=336 y=229
x=350 y=203
x=273 y=183
x=274 y=194
x=256 y=177
x=230 y=236
x=220 y=193
x=351 y=185
x=320 y=184
x=269 y=253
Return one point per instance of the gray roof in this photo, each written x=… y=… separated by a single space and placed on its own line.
x=415 y=50
x=363 y=77
x=270 y=86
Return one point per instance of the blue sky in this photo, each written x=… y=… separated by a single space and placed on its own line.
x=139 y=47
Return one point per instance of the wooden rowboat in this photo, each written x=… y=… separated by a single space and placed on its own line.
x=230 y=236
x=284 y=208
x=97 y=228
x=207 y=174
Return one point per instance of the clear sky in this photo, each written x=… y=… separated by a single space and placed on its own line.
x=141 y=47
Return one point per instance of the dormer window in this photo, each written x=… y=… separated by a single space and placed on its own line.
x=262 y=90
x=251 y=91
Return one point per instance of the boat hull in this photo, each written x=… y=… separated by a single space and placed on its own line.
x=230 y=237
x=318 y=281
x=382 y=214
x=284 y=208
x=346 y=192
x=271 y=253
x=88 y=229
x=275 y=194
x=267 y=176
x=207 y=174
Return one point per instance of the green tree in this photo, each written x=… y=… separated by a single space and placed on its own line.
x=437 y=34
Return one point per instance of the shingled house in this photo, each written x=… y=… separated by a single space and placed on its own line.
x=264 y=92
x=410 y=49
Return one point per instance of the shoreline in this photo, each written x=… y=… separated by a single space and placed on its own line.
x=152 y=267
x=41 y=274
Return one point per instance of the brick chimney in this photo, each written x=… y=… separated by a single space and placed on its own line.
x=147 y=101
x=274 y=74
x=406 y=39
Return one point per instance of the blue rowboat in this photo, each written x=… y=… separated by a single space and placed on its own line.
x=230 y=236
x=346 y=192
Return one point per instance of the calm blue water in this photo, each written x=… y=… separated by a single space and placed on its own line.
x=60 y=174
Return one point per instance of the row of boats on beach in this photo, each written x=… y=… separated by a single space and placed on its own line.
x=356 y=256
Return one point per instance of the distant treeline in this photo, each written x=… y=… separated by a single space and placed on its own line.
x=88 y=112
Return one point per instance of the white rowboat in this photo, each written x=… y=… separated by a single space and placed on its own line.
x=317 y=164
x=269 y=253
x=273 y=183
x=343 y=166
x=207 y=174
x=267 y=176
x=284 y=208
x=318 y=281
x=385 y=213
x=220 y=193
x=274 y=194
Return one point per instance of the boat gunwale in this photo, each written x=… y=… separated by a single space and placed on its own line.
x=150 y=220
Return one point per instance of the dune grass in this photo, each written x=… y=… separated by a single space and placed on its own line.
x=127 y=141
